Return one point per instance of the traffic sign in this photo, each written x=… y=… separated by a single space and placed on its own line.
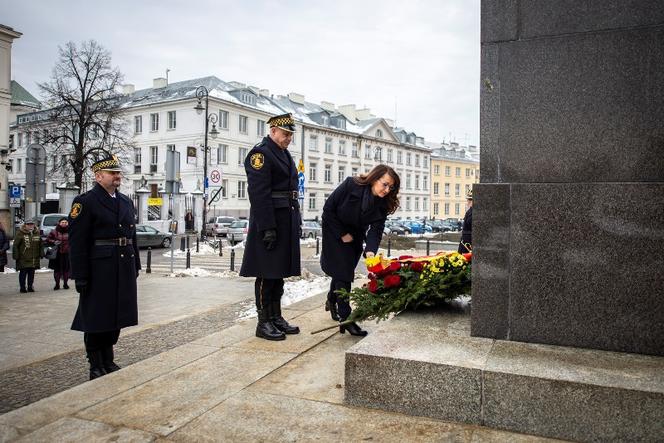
x=15 y=191
x=215 y=176
x=14 y=202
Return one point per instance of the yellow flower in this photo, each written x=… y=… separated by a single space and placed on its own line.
x=373 y=261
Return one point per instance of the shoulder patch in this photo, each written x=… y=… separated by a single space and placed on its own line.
x=257 y=160
x=76 y=209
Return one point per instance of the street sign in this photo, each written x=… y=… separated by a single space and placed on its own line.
x=214 y=178
x=14 y=202
x=156 y=201
x=15 y=191
x=300 y=183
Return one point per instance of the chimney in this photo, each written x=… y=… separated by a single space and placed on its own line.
x=327 y=106
x=349 y=112
x=363 y=114
x=295 y=97
x=159 y=82
x=128 y=89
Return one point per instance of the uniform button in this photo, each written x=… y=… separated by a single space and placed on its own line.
x=121 y=255
x=132 y=255
x=120 y=225
x=131 y=226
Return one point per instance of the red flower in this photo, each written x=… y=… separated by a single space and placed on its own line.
x=376 y=268
x=405 y=257
x=373 y=286
x=468 y=256
x=417 y=266
x=392 y=281
x=394 y=266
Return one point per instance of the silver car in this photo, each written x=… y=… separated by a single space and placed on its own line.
x=311 y=229
x=219 y=225
x=149 y=236
x=48 y=222
x=237 y=231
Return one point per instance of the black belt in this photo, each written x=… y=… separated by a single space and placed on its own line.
x=122 y=241
x=285 y=194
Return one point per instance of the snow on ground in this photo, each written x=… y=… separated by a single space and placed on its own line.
x=10 y=270
x=192 y=272
x=308 y=242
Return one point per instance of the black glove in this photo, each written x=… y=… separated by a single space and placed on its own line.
x=270 y=239
x=82 y=287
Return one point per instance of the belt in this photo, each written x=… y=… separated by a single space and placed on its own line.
x=122 y=241
x=293 y=195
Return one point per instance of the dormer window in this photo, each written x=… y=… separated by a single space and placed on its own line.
x=379 y=133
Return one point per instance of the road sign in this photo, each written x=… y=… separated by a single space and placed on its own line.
x=300 y=183
x=14 y=202
x=15 y=191
x=156 y=201
x=300 y=166
x=215 y=177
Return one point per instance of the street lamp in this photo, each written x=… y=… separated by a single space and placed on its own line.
x=203 y=93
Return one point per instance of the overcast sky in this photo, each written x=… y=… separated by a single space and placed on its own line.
x=421 y=58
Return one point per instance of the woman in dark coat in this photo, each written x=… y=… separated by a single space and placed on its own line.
x=4 y=247
x=353 y=221
x=59 y=237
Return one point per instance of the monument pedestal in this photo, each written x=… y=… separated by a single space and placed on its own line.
x=427 y=364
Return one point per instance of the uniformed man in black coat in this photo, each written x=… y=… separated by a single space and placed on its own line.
x=272 y=249
x=104 y=264
x=466 y=243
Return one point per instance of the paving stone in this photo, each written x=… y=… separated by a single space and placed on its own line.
x=75 y=430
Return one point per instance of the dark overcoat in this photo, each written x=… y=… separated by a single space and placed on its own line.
x=342 y=214
x=110 y=302
x=466 y=231
x=270 y=169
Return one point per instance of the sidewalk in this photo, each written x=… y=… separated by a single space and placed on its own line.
x=232 y=386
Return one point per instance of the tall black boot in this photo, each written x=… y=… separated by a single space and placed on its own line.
x=280 y=322
x=96 y=364
x=332 y=307
x=265 y=329
x=109 y=364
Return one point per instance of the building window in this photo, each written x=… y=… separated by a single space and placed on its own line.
x=242 y=127
x=435 y=188
x=19 y=165
x=260 y=128
x=417 y=203
x=328 y=173
x=223 y=119
x=467 y=172
x=447 y=171
x=354 y=173
x=407 y=203
x=378 y=154
x=435 y=208
x=379 y=133
x=389 y=155
x=354 y=151
x=457 y=189
x=224 y=188
x=467 y=189
x=425 y=160
x=137 y=160
x=312 y=172
x=417 y=160
x=447 y=209
x=417 y=181
x=367 y=152
x=399 y=158
x=408 y=181
x=425 y=204
x=171 y=120
x=241 y=155
x=328 y=145
x=312 y=201
x=447 y=189
x=241 y=189
x=458 y=172
x=313 y=143
x=342 y=173
x=425 y=182
x=154 y=122
x=222 y=154
x=436 y=169
x=138 y=124
x=154 y=158
x=457 y=208
x=342 y=147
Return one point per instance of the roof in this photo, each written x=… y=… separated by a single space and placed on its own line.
x=21 y=97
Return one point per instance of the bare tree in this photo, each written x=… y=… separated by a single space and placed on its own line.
x=84 y=118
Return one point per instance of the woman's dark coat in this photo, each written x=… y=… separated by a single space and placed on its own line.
x=4 y=247
x=110 y=271
x=342 y=214
x=270 y=169
x=466 y=232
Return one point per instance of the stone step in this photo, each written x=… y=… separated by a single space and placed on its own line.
x=427 y=364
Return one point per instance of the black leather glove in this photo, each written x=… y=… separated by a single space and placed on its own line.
x=270 y=239
x=82 y=287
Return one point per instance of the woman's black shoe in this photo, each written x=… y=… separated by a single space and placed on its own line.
x=56 y=287
x=66 y=286
x=332 y=307
x=353 y=329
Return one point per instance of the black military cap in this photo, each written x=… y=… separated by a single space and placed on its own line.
x=107 y=164
x=283 y=121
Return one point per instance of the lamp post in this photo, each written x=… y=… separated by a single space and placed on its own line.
x=203 y=93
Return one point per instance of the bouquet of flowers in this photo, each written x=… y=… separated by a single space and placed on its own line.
x=409 y=282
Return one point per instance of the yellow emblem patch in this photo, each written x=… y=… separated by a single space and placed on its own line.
x=76 y=209
x=257 y=160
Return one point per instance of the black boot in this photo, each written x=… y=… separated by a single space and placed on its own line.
x=96 y=364
x=109 y=364
x=279 y=321
x=332 y=307
x=353 y=328
x=265 y=329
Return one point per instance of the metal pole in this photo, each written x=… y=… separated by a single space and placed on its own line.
x=317 y=246
x=188 y=259
x=233 y=259
x=389 y=246
x=187 y=242
x=197 y=241
x=172 y=255
x=221 y=248
x=148 y=270
x=182 y=244
x=428 y=246
x=205 y=162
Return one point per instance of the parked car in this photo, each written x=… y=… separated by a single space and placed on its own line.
x=219 y=225
x=149 y=236
x=48 y=222
x=311 y=229
x=237 y=231
x=395 y=228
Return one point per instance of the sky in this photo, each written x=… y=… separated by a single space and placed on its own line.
x=416 y=62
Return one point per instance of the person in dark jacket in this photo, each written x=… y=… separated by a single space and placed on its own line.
x=466 y=243
x=353 y=221
x=104 y=265
x=4 y=247
x=272 y=250
x=59 y=238
x=27 y=251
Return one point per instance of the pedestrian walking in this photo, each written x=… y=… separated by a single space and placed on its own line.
x=353 y=221
x=272 y=250
x=104 y=265
x=4 y=247
x=58 y=238
x=27 y=252
x=466 y=243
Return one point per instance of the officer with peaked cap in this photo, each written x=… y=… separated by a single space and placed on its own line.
x=272 y=249
x=466 y=243
x=104 y=264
